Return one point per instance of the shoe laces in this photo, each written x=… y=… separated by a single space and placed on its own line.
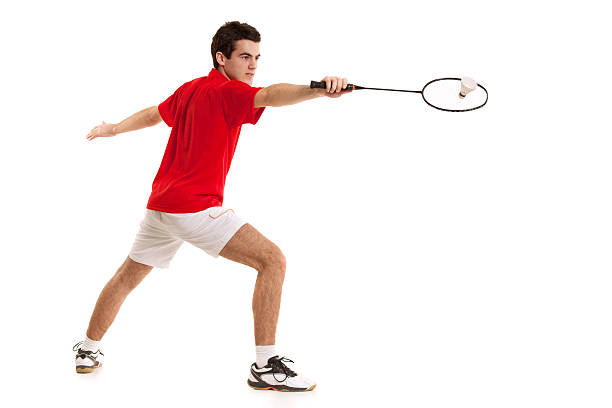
x=80 y=352
x=278 y=364
x=77 y=346
x=83 y=353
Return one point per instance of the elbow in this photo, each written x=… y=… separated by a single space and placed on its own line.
x=154 y=116
x=262 y=98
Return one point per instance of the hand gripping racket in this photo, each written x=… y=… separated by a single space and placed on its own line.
x=440 y=93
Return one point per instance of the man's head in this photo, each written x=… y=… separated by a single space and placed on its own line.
x=235 y=51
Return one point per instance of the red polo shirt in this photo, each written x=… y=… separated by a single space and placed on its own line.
x=206 y=115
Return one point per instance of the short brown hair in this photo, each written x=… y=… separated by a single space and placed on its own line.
x=227 y=35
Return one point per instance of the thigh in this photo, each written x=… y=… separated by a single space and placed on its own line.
x=249 y=247
x=210 y=229
x=154 y=245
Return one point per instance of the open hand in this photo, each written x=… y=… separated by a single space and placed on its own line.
x=103 y=130
x=334 y=86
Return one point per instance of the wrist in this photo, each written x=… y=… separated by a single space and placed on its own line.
x=316 y=93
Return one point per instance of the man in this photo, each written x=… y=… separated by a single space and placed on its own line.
x=206 y=116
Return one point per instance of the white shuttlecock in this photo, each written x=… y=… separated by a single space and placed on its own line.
x=467 y=86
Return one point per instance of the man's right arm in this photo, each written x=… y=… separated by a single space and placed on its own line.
x=289 y=94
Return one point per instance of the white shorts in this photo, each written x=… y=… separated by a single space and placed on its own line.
x=161 y=234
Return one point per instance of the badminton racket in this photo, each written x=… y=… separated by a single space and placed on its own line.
x=445 y=94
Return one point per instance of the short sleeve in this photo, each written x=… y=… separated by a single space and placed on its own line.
x=238 y=99
x=168 y=109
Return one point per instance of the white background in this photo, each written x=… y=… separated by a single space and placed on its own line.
x=434 y=259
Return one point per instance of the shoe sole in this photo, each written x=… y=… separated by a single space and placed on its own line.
x=280 y=389
x=87 y=370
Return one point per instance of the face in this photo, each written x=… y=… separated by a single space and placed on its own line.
x=243 y=62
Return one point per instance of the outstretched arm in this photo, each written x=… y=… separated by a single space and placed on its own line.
x=145 y=118
x=289 y=94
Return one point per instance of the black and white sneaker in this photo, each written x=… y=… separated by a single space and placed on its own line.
x=278 y=377
x=87 y=361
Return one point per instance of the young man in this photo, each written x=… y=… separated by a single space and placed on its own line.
x=206 y=116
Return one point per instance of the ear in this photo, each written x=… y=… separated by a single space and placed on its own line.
x=220 y=58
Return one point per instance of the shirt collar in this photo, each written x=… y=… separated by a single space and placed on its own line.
x=217 y=76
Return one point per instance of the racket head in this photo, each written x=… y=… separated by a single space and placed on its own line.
x=443 y=94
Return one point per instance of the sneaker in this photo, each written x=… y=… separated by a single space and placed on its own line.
x=278 y=377
x=87 y=361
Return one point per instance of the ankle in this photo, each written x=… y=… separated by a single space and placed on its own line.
x=90 y=345
x=263 y=354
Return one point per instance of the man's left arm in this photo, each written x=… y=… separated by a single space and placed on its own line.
x=145 y=118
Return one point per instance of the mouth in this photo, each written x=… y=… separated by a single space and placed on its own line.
x=250 y=75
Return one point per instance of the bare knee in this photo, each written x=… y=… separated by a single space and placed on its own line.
x=273 y=261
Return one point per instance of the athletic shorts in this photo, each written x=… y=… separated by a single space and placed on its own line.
x=161 y=234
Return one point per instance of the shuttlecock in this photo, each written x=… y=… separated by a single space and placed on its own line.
x=467 y=86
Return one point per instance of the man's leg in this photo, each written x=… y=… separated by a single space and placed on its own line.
x=127 y=277
x=249 y=247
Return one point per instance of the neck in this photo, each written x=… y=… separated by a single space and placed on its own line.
x=222 y=71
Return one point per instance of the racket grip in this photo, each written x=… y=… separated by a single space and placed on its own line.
x=321 y=85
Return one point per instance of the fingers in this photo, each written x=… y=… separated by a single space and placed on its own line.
x=92 y=134
x=335 y=84
x=95 y=132
x=330 y=83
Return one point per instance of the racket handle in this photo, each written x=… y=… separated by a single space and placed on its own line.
x=321 y=85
